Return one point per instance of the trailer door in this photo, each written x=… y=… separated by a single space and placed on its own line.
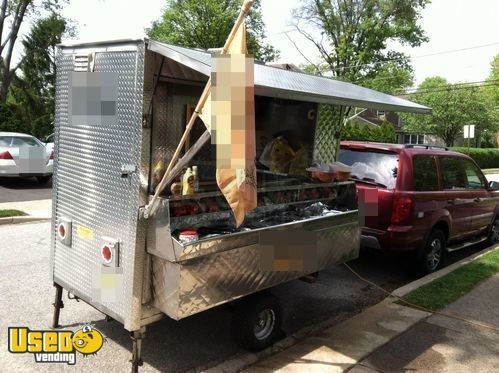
x=97 y=244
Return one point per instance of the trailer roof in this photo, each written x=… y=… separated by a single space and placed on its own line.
x=276 y=82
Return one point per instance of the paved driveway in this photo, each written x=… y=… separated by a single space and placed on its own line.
x=197 y=342
x=23 y=189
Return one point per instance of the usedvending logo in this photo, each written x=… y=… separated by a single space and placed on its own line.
x=51 y=346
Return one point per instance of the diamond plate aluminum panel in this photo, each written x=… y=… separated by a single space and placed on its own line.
x=185 y=288
x=89 y=188
x=276 y=82
x=327 y=133
x=169 y=118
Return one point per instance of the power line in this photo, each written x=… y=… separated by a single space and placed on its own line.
x=405 y=58
x=448 y=89
x=463 y=84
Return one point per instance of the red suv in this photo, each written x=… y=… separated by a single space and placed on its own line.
x=421 y=198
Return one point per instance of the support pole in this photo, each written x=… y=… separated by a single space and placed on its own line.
x=58 y=304
x=137 y=337
x=151 y=207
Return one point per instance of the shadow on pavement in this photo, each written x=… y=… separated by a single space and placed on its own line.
x=23 y=183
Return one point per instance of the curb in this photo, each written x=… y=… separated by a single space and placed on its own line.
x=22 y=219
x=406 y=289
x=246 y=360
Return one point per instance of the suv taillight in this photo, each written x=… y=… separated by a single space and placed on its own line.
x=402 y=209
x=51 y=155
x=5 y=155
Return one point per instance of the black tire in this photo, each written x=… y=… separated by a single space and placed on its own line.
x=431 y=254
x=494 y=232
x=256 y=321
x=44 y=179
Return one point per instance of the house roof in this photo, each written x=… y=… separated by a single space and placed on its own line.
x=287 y=84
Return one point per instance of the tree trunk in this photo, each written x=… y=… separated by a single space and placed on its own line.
x=7 y=46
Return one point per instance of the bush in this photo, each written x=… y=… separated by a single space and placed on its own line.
x=485 y=158
x=383 y=133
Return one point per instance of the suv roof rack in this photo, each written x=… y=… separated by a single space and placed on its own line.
x=426 y=146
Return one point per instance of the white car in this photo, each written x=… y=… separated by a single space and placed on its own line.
x=23 y=155
x=49 y=141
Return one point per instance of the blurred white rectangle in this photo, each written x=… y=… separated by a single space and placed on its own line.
x=32 y=160
x=469 y=131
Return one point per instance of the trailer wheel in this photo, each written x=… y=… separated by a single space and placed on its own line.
x=256 y=321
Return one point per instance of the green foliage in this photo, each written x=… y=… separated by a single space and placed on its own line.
x=390 y=78
x=10 y=213
x=453 y=107
x=9 y=118
x=352 y=37
x=32 y=93
x=13 y=15
x=382 y=133
x=490 y=93
x=485 y=158
x=443 y=291
x=207 y=24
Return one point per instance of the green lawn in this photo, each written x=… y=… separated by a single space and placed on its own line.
x=9 y=213
x=438 y=293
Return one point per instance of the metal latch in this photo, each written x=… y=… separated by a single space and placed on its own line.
x=127 y=170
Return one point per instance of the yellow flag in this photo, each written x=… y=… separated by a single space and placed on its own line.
x=229 y=115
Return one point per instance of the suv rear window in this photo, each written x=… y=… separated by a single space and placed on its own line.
x=425 y=173
x=372 y=166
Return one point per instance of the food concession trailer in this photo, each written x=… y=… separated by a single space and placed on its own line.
x=121 y=108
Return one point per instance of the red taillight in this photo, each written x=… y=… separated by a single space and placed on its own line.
x=106 y=253
x=52 y=155
x=5 y=155
x=401 y=210
x=61 y=230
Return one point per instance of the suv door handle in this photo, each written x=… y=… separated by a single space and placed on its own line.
x=477 y=199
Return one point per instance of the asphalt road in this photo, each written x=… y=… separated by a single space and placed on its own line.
x=23 y=189
x=195 y=343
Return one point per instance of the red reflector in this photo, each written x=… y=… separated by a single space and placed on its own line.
x=61 y=230
x=5 y=155
x=107 y=254
x=402 y=209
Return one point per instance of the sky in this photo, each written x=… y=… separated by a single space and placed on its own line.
x=450 y=24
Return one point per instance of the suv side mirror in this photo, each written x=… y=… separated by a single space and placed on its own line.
x=494 y=185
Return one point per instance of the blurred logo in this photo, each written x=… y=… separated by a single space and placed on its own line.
x=51 y=346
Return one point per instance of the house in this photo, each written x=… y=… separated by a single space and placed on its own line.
x=373 y=118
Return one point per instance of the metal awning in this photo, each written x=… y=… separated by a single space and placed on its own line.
x=275 y=82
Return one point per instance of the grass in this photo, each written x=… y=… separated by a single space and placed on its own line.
x=9 y=213
x=491 y=171
x=440 y=292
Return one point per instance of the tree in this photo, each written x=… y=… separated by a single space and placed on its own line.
x=453 y=107
x=13 y=14
x=207 y=24
x=352 y=36
x=391 y=78
x=34 y=90
x=490 y=92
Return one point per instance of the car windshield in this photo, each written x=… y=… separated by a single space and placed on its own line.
x=377 y=167
x=19 y=141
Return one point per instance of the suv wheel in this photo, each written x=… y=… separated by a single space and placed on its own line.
x=431 y=254
x=494 y=232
